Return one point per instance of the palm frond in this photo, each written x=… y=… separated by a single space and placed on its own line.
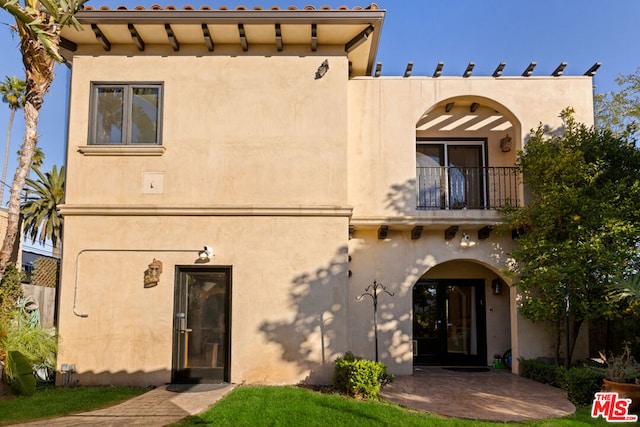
x=42 y=221
x=627 y=288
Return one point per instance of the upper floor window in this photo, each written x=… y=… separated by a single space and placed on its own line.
x=125 y=113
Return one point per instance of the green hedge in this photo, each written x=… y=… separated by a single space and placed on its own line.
x=543 y=372
x=581 y=383
x=359 y=377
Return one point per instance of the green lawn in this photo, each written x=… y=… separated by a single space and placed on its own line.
x=293 y=406
x=259 y=406
x=59 y=401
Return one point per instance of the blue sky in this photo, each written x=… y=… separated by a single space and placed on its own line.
x=456 y=32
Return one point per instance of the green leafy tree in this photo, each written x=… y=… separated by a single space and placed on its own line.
x=12 y=90
x=42 y=221
x=581 y=228
x=38 y=23
x=619 y=111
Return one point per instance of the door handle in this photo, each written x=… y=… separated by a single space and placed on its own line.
x=183 y=323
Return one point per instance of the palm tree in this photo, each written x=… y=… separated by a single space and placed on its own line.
x=43 y=195
x=38 y=23
x=12 y=91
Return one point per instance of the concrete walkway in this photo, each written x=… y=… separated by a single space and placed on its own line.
x=495 y=395
x=158 y=407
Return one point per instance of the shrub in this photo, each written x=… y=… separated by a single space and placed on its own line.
x=542 y=372
x=582 y=383
x=23 y=342
x=359 y=377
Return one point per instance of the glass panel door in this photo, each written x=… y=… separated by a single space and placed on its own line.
x=201 y=325
x=449 y=322
x=451 y=175
x=466 y=183
x=428 y=326
x=461 y=320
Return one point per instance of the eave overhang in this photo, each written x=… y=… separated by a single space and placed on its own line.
x=356 y=32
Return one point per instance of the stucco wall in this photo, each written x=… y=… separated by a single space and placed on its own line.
x=264 y=163
x=384 y=112
x=398 y=263
x=287 y=299
x=247 y=130
x=254 y=165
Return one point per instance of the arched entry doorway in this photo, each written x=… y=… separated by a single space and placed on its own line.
x=454 y=307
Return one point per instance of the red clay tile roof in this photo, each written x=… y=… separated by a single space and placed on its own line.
x=372 y=6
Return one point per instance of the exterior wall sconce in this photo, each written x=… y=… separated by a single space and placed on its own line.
x=152 y=275
x=322 y=69
x=496 y=286
x=206 y=254
x=466 y=241
x=505 y=144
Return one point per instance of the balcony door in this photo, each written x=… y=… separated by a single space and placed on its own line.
x=451 y=174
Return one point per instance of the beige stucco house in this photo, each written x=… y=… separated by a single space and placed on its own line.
x=237 y=178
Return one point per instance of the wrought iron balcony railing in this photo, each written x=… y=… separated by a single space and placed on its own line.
x=451 y=187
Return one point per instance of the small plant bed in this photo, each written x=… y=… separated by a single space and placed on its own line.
x=54 y=402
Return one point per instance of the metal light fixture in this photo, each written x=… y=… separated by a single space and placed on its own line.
x=206 y=254
x=466 y=242
x=152 y=275
x=505 y=144
x=322 y=69
x=496 y=286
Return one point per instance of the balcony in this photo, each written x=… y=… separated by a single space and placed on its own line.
x=451 y=187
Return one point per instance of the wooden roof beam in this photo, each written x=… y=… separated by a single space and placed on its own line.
x=469 y=70
x=314 y=37
x=102 y=39
x=407 y=71
x=559 y=69
x=243 y=38
x=172 y=38
x=378 y=69
x=438 y=71
x=529 y=70
x=360 y=38
x=135 y=36
x=279 y=44
x=592 y=71
x=207 y=37
x=499 y=69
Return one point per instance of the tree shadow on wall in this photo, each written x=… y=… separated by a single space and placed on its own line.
x=401 y=198
x=318 y=333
